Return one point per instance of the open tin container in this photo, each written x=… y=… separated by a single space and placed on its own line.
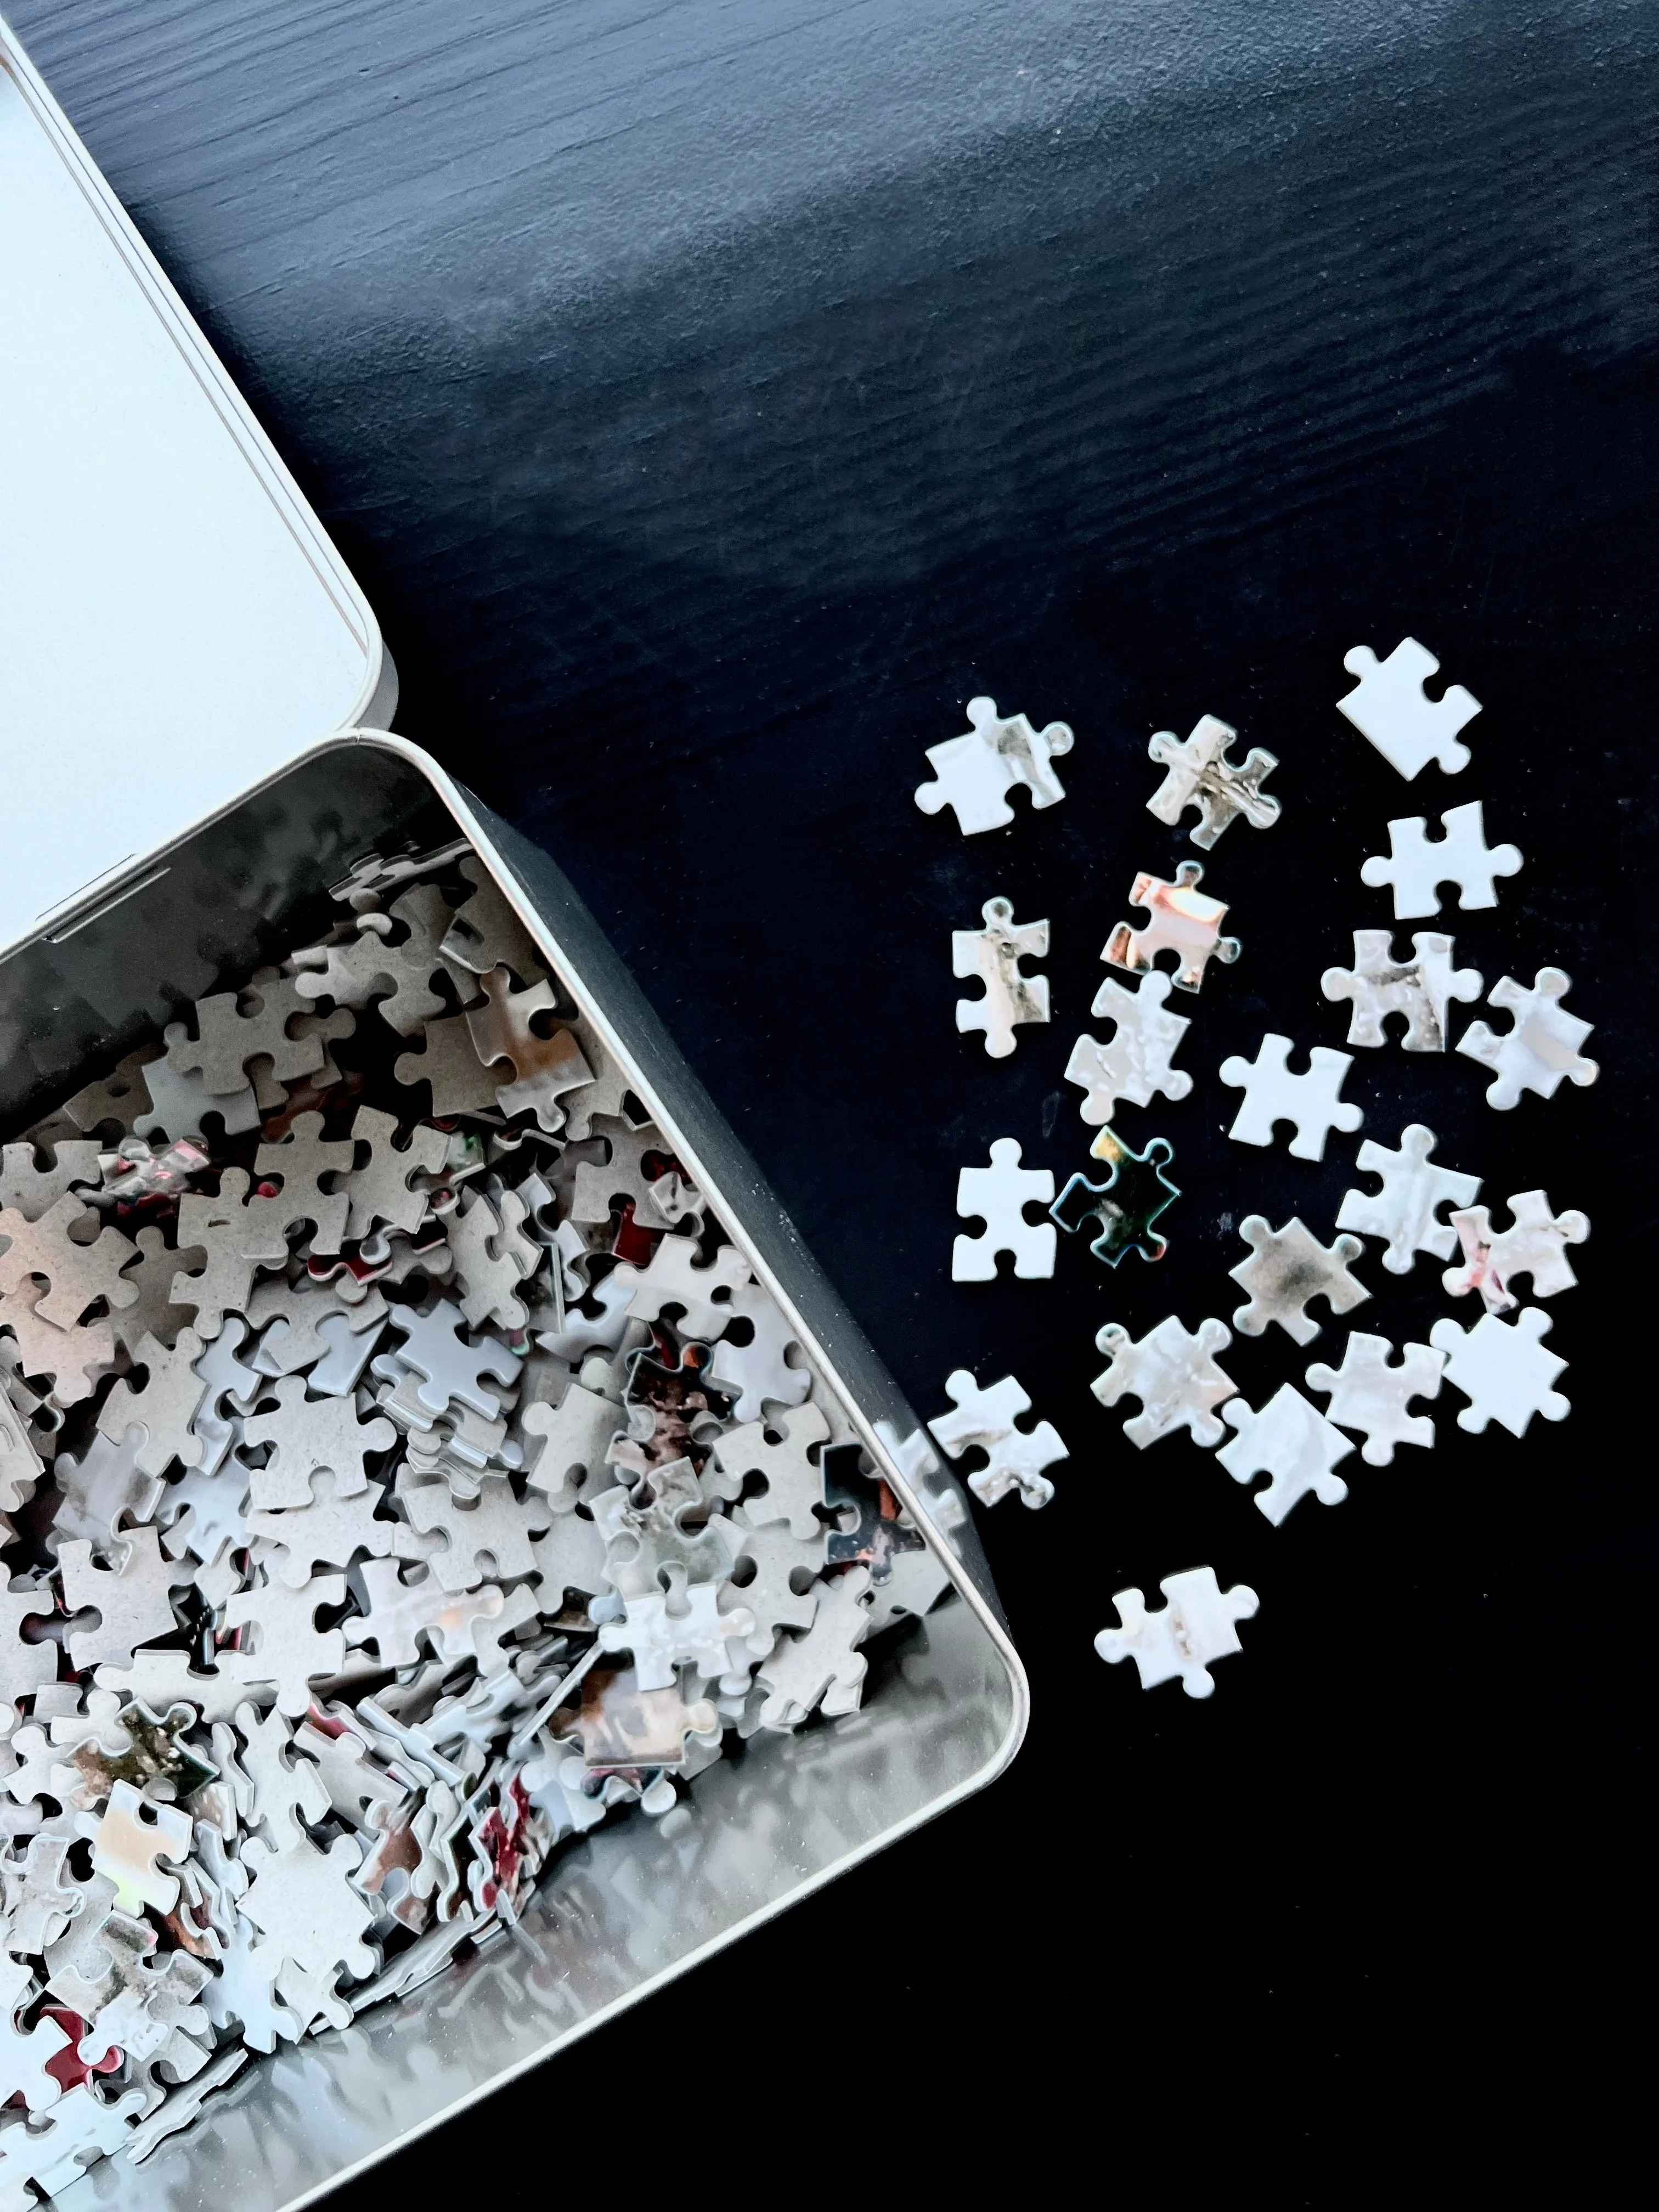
x=182 y=635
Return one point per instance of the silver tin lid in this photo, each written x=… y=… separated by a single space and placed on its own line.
x=174 y=622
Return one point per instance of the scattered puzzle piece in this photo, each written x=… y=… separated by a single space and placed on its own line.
x=378 y=1192
x=128 y=1840
x=1197 y=1626
x=975 y=773
x=1287 y=1268
x=356 y=971
x=758 y=1374
x=1125 y=1205
x=1419 y=990
x=1403 y=1215
x=986 y=1418
x=1175 y=1376
x=1136 y=1063
x=1368 y=1394
x=1390 y=706
x=1198 y=774
x=794 y=1480
x=79 y=1273
x=1540 y=1048
x=1418 y=865
x=1533 y=1245
x=130 y=1596
x=1292 y=1443
x=1503 y=1370
x=993 y=954
x=1273 y=1094
x=1184 y=920
x=998 y=1196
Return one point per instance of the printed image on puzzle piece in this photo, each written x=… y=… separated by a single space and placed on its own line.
x=1127 y=1205
x=1184 y=920
x=1419 y=990
x=1540 y=1051
x=1198 y=775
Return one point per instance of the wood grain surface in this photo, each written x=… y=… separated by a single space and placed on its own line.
x=712 y=398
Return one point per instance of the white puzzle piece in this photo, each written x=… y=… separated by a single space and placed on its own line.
x=998 y=1195
x=1198 y=774
x=1292 y=1443
x=1288 y=1268
x=1503 y=1370
x=1390 y=706
x=1197 y=1624
x=1534 y=1244
x=1419 y=990
x=1540 y=1049
x=1136 y=1063
x=1416 y=864
x=1174 y=1374
x=975 y=773
x=1181 y=920
x=1404 y=1212
x=1368 y=1394
x=1271 y=1094
x=986 y=1418
x=993 y=954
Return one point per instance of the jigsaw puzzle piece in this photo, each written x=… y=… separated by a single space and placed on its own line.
x=1199 y=774
x=1419 y=990
x=1310 y=1102
x=1127 y=1205
x=993 y=954
x=1287 y=1270
x=998 y=1196
x=1368 y=1394
x=975 y=773
x=1136 y=1063
x=1403 y=1215
x=1540 y=1049
x=1533 y=1245
x=1390 y=706
x=1197 y=1624
x=1291 y=1442
x=987 y=1419
x=1174 y=1374
x=1184 y=920
x=1503 y=1370
x=1418 y=865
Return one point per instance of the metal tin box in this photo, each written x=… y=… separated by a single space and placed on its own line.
x=180 y=631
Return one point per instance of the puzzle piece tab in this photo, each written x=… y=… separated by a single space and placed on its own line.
x=1199 y=774
x=1184 y=920
x=993 y=954
x=1390 y=706
x=975 y=773
x=1542 y=1047
x=998 y=1195
x=1419 y=990
x=1197 y=1626
x=1273 y=1094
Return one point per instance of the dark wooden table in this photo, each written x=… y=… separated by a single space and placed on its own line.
x=712 y=398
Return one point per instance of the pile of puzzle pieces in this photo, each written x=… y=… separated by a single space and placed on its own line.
x=402 y=1470
x=1420 y=1207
